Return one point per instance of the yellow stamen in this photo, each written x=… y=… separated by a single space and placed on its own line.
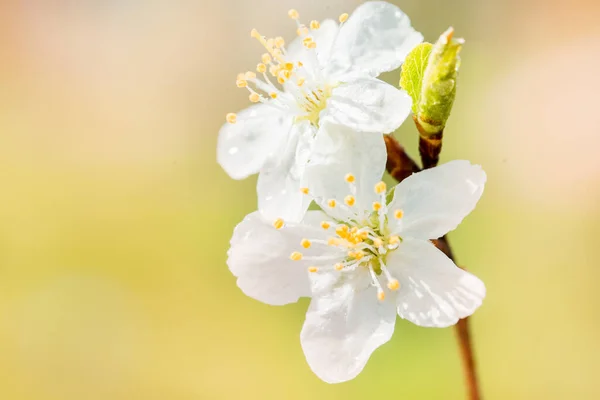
x=393 y=284
x=339 y=266
x=398 y=214
x=381 y=295
x=325 y=225
x=343 y=18
x=350 y=178
x=231 y=118
x=331 y=203
x=341 y=231
x=293 y=14
x=304 y=190
x=313 y=269
x=296 y=256
x=305 y=243
x=307 y=41
x=377 y=242
x=380 y=187
x=241 y=83
x=376 y=206
x=250 y=75
x=273 y=95
x=394 y=240
x=301 y=81
x=279 y=42
x=278 y=223
x=302 y=30
x=262 y=68
x=314 y=24
x=349 y=200
x=254 y=97
x=356 y=254
x=266 y=58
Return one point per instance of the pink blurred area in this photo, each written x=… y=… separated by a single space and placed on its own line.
x=116 y=217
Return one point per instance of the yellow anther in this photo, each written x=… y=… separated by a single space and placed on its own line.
x=380 y=187
x=363 y=235
x=307 y=41
x=304 y=190
x=381 y=295
x=398 y=214
x=299 y=63
x=287 y=74
x=325 y=225
x=241 y=83
x=343 y=18
x=332 y=241
x=313 y=269
x=262 y=68
x=302 y=30
x=312 y=45
x=273 y=95
x=278 y=223
x=349 y=200
x=377 y=242
x=350 y=178
x=305 y=243
x=296 y=256
x=270 y=42
x=338 y=266
x=354 y=230
x=266 y=58
x=231 y=118
x=293 y=14
x=254 y=33
x=279 y=42
x=314 y=24
x=288 y=66
x=281 y=80
x=273 y=70
x=341 y=231
x=331 y=203
x=394 y=239
x=249 y=75
x=301 y=81
x=254 y=97
x=393 y=284
x=376 y=206
x=356 y=254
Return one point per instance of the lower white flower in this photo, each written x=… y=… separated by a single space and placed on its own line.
x=364 y=260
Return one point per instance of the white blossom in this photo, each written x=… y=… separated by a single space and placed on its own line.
x=364 y=258
x=324 y=77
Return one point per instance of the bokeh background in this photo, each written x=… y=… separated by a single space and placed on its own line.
x=115 y=218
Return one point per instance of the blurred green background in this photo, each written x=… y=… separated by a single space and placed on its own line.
x=115 y=218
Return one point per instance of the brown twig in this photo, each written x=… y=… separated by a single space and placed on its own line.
x=400 y=166
x=430 y=145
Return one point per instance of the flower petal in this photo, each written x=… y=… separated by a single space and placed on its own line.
x=433 y=292
x=279 y=182
x=339 y=150
x=243 y=147
x=344 y=324
x=260 y=257
x=323 y=37
x=436 y=200
x=367 y=105
x=375 y=39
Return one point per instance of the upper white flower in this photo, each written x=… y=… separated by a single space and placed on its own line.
x=325 y=76
x=367 y=260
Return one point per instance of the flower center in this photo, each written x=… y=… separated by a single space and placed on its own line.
x=364 y=236
x=284 y=83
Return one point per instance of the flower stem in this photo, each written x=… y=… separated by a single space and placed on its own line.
x=400 y=166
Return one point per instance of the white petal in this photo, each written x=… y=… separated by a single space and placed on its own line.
x=339 y=150
x=376 y=38
x=260 y=257
x=279 y=183
x=344 y=324
x=244 y=147
x=433 y=292
x=323 y=37
x=367 y=105
x=436 y=200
